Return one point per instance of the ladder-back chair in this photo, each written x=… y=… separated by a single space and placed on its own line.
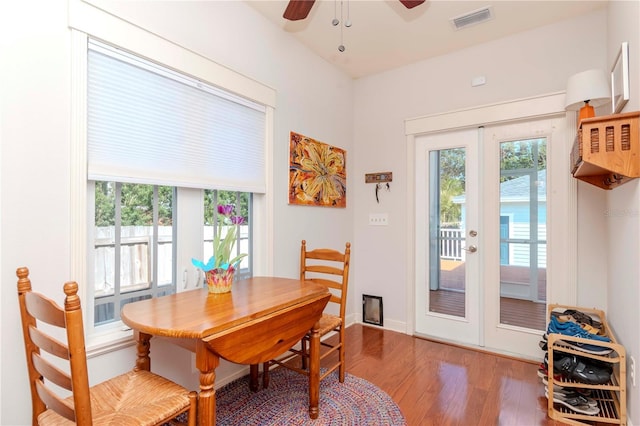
x=138 y=397
x=330 y=268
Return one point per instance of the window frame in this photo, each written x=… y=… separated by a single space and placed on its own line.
x=86 y=20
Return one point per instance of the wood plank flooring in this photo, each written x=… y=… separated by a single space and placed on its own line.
x=443 y=384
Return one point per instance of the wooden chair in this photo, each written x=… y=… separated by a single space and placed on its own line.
x=330 y=268
x=134 y=398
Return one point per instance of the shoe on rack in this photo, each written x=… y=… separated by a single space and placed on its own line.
x=559 y=388
x=583 y=318
x=574 y=404
x=543 y=374
x=573 y=329
x=558 y=355
x=577 y=397
x=588 y=327
x=543 y=345
x=545 y=382
x=570 y=329
x=579 y=369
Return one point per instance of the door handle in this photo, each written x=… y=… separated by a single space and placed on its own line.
x=470 y=249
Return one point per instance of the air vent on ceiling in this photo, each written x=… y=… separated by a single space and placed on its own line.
x=472 y=18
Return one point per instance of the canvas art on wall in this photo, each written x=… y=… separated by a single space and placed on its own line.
x=317 y=173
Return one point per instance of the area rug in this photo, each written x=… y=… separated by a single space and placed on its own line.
x=286 y=402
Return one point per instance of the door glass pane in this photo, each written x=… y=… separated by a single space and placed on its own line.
x=523 y=233
x=446 y=231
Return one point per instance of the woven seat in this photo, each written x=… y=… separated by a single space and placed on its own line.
x=330 y=268
x=138 y=397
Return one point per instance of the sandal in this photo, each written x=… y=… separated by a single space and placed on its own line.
x=573 y=404
x=583 y=318
x=559 y=388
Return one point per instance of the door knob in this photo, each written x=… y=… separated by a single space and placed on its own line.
x=470 y=249
x=473 y=233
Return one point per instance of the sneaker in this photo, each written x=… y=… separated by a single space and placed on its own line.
x=573 y=329
x=588 y=327
x=579 y=369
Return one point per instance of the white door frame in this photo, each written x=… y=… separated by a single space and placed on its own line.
x=500 y=113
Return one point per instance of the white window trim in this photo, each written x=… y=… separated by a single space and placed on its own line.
x=86 y=20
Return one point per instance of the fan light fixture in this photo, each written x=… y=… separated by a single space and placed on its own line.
x=335 y=21
x=586 y=90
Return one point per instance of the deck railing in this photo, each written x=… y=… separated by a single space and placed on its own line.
x=451 y=243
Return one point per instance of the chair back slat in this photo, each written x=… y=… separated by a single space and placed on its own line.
x=48 y=343
x=324 y=269
x=325 y=254
x=51 y=372
x=44 y=309
x=327 y=283
x=54 y=402
x=35 y=308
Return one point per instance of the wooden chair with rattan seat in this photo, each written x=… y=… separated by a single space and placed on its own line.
x=330 y=268
x=138 y=397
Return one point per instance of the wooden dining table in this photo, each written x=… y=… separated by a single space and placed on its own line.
x=261 y=318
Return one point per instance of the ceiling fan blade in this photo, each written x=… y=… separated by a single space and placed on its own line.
x=297 y=9
x=410 y=4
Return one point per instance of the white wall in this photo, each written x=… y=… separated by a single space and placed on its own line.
x=313 y=98
x=366 y=117
x=622 y=214
x=527 y=64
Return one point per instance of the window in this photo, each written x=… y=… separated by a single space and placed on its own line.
x=156 y=141
x=154 y=55
x=134 y=254
x=242 y=203
x=133 y=246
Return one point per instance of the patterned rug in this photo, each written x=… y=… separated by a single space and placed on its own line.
x=286 y=402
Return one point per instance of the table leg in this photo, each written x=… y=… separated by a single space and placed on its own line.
x=314 y=372
x=253 y=377
x=206 y=362
x=143 y=362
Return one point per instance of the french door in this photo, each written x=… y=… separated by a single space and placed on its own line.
x=447 y=262
x=482 y=276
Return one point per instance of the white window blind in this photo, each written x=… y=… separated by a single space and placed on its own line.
x=149 y=124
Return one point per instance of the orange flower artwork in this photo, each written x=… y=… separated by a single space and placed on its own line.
x=317 y=173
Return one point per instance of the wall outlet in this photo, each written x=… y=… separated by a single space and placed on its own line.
x=378 y=219
x=632 y=371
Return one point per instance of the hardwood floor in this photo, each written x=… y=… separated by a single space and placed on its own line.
x=442 y=384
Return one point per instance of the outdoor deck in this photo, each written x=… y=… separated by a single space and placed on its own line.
x=449 y=299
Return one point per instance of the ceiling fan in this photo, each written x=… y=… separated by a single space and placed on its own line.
x=299 y=9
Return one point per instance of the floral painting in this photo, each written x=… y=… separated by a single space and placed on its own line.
x=317 y=173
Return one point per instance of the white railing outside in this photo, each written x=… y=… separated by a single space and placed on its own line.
x=451 y=243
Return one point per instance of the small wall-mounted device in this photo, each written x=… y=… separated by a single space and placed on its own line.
x=378 y=177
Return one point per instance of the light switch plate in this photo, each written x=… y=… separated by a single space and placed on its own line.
x=378 y=219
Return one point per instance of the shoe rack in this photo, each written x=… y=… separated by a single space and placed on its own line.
x=611 y=397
